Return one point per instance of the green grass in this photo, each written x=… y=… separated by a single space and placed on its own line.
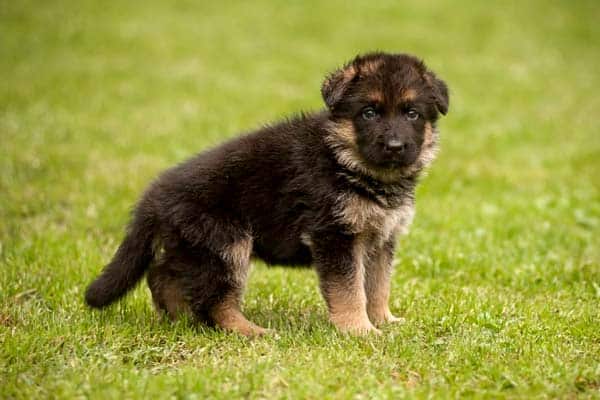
x=499 y=280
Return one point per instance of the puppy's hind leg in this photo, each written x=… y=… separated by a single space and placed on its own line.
x=164 y=281
x=227 y=315
x=218 y=286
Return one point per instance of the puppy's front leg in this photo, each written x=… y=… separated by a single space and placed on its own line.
x=339 y=263
x=378 y=271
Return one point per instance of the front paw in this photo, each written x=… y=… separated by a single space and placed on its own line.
x=385 y=317
x=355 y=326
x=359 y=330
x=392 y=319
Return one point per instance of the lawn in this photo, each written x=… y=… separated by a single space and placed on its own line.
x=499 y=279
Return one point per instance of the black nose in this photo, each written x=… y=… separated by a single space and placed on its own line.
x=396 y=145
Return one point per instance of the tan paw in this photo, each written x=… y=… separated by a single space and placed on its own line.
x=391 y=319
x=357 y=328
x=250 y=329
x=386 y=317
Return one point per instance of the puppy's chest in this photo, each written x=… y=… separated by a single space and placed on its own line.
x=364 y=216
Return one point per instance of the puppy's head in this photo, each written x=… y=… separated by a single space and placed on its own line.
x=387 y=105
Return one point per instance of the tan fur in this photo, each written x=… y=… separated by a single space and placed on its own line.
x=306 y=239
x=366 y=216
x=347 y=300
x=378 y=270
x=404 y=217
x=344 y=131
x=175 y=302
x=375 y=225
x=170 y=296
x=408 y=95
x=227 y=316
x=238 y=255
x=397 y=220
x=376 y=97
x=429 y=135
x=342 y=140
x=347 y=310
x=349 y=73
x=359 y=213
x=429 y=148
x=370 y=67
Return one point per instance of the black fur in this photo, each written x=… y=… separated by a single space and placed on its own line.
x=129 y=263
x=274 y=188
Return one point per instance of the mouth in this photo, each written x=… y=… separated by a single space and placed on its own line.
x=391 y=164
x=395 y=161
x=397 y=164
x=381 y=159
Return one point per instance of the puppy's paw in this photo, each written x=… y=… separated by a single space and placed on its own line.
x=361 y=331
x=386 y=317
x=391 y=319
x=357 y=328
x=260 y=331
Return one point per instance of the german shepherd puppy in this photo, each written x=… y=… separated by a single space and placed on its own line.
x=332 y=189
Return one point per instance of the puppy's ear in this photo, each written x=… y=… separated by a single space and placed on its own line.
x=336 y=84
x=440 y=92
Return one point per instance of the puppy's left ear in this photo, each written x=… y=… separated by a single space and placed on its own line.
x=336 y=84
x=440 y=92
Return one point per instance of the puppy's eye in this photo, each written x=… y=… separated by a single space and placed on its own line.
x=369 y=113
x=412 y=114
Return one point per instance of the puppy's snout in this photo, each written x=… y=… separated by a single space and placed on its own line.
x=396 y=146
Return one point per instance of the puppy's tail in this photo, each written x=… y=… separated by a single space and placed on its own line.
x=128 y=264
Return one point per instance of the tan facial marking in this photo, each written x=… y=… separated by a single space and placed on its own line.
x=345 y=131
x=341 y=139
x=428 y=135
x=376 y=97
x=430 y=146
x=408 y=95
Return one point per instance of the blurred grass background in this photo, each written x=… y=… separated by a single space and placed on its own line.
x=499 y=280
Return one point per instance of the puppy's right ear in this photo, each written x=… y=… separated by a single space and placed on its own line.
x=440 y=92
x=336 y=84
